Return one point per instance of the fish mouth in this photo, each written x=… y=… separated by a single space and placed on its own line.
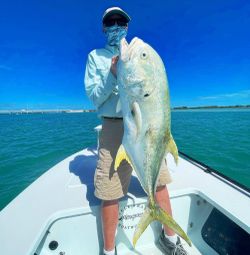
x=127 y=48
x=124 y=57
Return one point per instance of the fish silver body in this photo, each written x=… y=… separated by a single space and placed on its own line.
x=144 y=96
x=145 y=103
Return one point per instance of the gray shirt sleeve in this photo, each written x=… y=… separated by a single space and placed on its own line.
x=99 y=82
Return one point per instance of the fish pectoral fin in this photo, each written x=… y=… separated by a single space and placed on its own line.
x=120 y=156
x=136 y=113
x=172 y=148
x=118 y=106
x=156 y=213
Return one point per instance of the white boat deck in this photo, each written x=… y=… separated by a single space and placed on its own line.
x=67 y=189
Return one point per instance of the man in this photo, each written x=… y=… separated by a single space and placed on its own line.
x=101 y=88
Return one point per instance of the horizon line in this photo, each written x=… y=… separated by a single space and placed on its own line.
x=174 y=107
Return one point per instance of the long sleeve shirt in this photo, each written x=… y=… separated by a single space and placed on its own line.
x=100 y=84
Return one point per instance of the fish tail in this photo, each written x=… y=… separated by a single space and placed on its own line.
x=156 y=213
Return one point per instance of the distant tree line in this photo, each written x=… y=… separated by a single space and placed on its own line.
x=209 y=107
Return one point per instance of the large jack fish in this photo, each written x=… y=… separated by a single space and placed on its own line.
x=144 y=96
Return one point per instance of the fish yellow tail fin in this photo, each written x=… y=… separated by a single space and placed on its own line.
x=156 y=213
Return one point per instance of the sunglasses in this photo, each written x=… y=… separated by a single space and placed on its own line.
x=112 y=22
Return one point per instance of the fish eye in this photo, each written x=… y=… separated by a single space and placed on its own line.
x=144 y=55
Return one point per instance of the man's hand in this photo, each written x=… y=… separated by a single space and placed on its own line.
x=113 y=65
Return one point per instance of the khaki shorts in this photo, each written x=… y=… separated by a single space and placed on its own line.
x=111 y=184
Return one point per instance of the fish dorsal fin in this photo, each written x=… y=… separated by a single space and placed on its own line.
x=172 y=148
x=120 y=156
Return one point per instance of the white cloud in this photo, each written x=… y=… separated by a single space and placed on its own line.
x=239 y=94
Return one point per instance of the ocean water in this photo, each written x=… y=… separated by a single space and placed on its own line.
x=32 y=143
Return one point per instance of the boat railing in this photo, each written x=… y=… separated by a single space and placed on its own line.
x=235 y=184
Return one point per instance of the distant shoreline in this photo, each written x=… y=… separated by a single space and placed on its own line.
x=40 y=111
x=211 y=107
x=25 y=111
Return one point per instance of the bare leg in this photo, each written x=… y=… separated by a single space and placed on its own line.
x=110 y=214
x=162 y=198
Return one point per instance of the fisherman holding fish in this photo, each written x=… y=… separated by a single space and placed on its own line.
x=112 y=175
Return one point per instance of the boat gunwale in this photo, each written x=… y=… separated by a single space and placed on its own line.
x=207 y=169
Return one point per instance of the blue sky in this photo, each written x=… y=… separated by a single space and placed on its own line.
x=205 y=46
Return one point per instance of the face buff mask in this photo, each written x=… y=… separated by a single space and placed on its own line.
x=114 y=34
